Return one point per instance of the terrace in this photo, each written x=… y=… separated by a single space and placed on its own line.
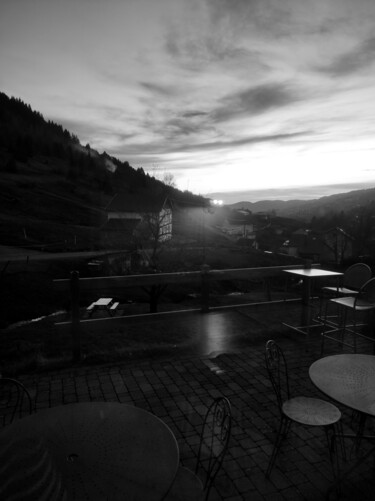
x=229 y=361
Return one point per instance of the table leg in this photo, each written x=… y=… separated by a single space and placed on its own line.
x=304 y=327
x=336 y=486
x=306 y=293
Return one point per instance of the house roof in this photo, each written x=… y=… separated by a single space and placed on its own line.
x=302 y=232
x=137 y=202
x=336 y=229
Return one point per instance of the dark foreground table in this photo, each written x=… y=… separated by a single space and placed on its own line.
x=88 y=451
x=347 y=378
x=350 y=380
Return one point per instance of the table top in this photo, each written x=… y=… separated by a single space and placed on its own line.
x=93 y=451
x=103 y=301
x=313 y=272
x=347 y=378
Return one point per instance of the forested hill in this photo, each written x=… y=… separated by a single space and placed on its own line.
x=55 y=189
x=26 y=136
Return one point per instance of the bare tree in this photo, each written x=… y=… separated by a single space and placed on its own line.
x=165 y=177
x=169 y=180
x=337 y=241
x=152 y=236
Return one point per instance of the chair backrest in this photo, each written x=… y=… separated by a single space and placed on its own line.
x=277 y=371
x=214 y=440
x=29 y=471
x=367 y=292
x=356 y=275
x=15 y=400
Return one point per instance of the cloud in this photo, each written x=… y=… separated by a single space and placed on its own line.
x=177 y=127
x=360 y=57
x=155 y=149
x=202 y=51
x=199 y=41
x=255 y=100
x=193 y=114
x=99 y=136
x=287 y=18
x=268 y=19
x=220 y=145
x=160 y=89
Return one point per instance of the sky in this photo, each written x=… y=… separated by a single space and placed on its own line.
x=234 y=98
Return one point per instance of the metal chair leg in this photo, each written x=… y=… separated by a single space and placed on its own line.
x=343 y=324
x=333 y=456
x=360 y=432
x=281 y=434
x=324 y=330
x=342 y=440
x=354 y=332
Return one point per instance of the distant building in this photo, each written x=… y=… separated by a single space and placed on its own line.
x=144 y=211
x=304 y=244
x=333 y=245
x=240 y=223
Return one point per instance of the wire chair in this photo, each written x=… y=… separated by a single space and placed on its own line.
x=301 y=410
x=350 y=308
x=28 y=470
x=213 y=445
x=15 y=400
x=354 y=277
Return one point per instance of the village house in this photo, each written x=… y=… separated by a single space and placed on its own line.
x=148 y=212
x=240 y=223
x=333 y=245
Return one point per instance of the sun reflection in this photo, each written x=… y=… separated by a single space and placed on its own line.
x=215 y=335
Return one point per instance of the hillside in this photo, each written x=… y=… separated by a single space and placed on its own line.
x=267 y=205
x=307 y=209
x=54 y=190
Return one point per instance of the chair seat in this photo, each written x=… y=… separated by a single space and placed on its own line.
x=311 y=411
x=352 y=302
x=186 y=487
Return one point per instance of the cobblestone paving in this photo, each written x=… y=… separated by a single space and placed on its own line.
x=178 y=390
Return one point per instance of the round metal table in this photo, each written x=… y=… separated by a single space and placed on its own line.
x=348 y=379
x=88 y=451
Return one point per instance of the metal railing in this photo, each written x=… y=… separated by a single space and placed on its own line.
x=111 y=284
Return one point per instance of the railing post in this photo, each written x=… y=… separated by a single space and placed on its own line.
x=205 y=289
x=76 y=326
x=267 y=288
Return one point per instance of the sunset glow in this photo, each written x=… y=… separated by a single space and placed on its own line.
x=227 y=96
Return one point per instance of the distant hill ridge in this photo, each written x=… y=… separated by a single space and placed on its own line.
x=306 y=209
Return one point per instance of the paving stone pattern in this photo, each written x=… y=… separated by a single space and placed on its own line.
x=178 y=391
